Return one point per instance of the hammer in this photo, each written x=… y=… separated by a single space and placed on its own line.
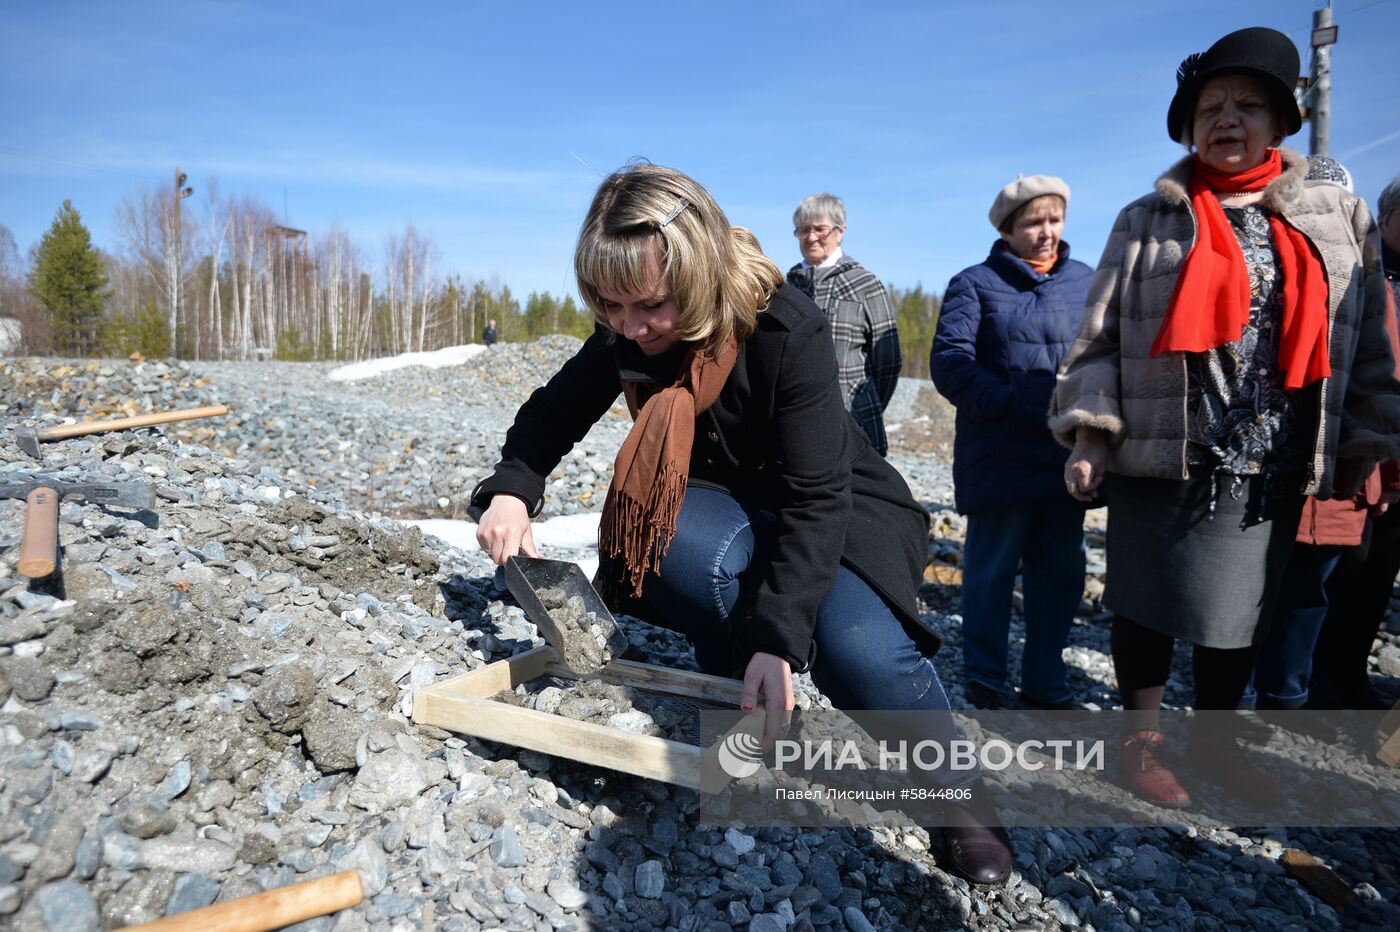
x=38 y=549
x=29 y=438
x=270 y=910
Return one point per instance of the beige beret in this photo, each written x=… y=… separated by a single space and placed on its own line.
x=1022 y=190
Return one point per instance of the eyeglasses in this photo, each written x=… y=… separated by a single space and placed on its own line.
x=822 y=231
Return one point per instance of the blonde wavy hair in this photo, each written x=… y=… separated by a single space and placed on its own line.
x=645 y=214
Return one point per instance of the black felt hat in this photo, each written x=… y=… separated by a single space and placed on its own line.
x=1259 y=51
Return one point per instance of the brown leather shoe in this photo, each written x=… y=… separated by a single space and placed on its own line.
x=1147 y=776
x=978 y=847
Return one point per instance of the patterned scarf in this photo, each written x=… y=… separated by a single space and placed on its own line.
x=1211 y=304
x=648 y=486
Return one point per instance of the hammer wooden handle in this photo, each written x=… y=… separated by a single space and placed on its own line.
x=38 y=549
x=271 y=910
x=127 y=423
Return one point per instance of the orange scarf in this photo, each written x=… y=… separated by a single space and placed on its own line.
x=1210 y=306
x=648 y=486
x=1043 y=266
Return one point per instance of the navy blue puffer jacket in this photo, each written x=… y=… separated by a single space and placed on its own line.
x=1002 y=333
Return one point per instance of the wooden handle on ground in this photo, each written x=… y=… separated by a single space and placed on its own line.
x=127 y=423
x=38 y=549
x=271 y=910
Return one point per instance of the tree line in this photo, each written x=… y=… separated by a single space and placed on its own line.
x=225 y=279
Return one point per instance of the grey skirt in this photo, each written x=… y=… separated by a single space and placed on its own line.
x=1177 y=569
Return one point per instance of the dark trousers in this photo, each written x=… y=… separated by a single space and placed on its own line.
x=1285 y=666
x=1359 y=592
x=1045 y=541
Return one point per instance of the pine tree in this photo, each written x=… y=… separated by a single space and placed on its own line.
x=68 y=279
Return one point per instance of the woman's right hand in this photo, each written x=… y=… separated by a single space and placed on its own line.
x=1084 y=470
x=769 y=677
x=504 y=529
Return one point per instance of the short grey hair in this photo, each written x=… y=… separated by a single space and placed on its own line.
x=1390 y=198
x=818 y=206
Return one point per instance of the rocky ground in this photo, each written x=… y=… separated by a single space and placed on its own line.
x=214 y=696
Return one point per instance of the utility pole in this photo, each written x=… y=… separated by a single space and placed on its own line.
x=174 y=263
x=1324 y=35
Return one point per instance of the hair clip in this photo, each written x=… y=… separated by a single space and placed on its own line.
x=674 y=214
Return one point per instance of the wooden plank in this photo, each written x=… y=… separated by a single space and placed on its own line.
x=1388 y=737
x=719 y=689
x=642 y=755
x=83 y=428
x=501 y=675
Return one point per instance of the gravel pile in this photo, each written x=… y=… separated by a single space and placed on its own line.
x=215 y=699
x=411 y=443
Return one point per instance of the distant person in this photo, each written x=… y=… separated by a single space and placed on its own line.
x=1361 y=587
x=488 y=335
x=1232 y=359
x=858 y=311
x=1005 y=325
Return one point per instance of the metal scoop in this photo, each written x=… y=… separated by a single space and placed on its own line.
x=526 y=577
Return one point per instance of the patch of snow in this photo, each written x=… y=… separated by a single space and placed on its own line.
x=437 y=359
x=571 y=533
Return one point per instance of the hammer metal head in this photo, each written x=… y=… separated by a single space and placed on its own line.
x=133 y=494
x=28 y=439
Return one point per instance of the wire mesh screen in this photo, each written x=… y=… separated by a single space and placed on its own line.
x=626 y=707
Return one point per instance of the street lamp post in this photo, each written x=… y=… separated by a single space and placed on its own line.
x=1324 y=35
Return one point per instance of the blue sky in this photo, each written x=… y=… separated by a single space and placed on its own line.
x=489 y=125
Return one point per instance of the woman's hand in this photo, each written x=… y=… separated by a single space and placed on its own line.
x=1388 y=499
x=770 y=677
x=1084 y=470
x=504 y=529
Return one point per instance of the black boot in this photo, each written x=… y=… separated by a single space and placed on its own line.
x=977 y=845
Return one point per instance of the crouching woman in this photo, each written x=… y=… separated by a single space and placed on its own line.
x=746 y=509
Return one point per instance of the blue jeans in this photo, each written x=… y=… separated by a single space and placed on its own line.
x=1284 y=669
x=865 y=659
x=1045 y=540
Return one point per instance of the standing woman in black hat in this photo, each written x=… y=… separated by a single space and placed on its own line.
x=1232 y=359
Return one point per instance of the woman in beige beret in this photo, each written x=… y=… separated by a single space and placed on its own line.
x=1005 y=325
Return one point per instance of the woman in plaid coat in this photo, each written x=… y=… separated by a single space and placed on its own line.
x=858 y=311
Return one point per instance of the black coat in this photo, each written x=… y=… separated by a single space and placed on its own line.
x=777 y=437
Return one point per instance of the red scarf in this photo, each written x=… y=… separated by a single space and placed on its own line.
x=639 y=515
x=1043 y=266
x=1210 y=306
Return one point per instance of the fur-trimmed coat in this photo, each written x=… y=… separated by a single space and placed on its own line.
x=1110 y=381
